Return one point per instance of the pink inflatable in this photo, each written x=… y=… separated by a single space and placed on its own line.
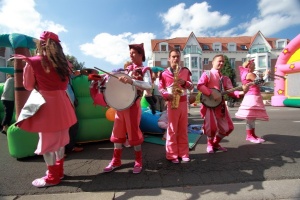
x=288 y=66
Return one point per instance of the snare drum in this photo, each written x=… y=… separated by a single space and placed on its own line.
x=113 y=93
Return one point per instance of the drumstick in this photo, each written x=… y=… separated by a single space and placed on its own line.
x=106 y=72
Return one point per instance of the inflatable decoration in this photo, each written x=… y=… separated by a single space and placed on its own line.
x=149 y=122
x=110 y=114
x=144 y=103
x=286 y=88
x=93 y=124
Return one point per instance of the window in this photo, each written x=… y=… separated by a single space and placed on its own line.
x=217 y=46
x=281 y=44
x=205 y=61
x=163 y=47
x=164 y=62
x=192 y=49
x=262 y=64
x=195 y=76
x=231 y=47
x=232 y=62
x=244 y=47
x=261 y=49
x=244 y=60
x=187 y=62
x=205 y=47
x=194 y=63
x=200 y=64
x=177 y=47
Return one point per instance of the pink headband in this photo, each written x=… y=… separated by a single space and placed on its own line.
x=49 y=35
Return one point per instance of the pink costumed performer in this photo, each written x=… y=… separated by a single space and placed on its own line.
x=48 y=111
x=177 y=134
x=252 y=107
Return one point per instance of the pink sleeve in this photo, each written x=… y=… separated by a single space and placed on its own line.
x=161 y=88
x=201 y=85
x=28 y=77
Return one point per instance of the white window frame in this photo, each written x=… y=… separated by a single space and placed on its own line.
x=217 y=46
x=163 y=44
x=231 y=46
x=205 y=61
x=278 y=42
x=164 y=62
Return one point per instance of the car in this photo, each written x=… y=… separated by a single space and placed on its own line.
x=266 y=89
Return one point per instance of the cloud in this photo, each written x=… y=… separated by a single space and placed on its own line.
x=274 y=16
x=114 y=48
x=181 y=21
x=198 y=18
x=21 y=17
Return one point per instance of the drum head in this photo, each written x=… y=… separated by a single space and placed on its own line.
x=119 y=95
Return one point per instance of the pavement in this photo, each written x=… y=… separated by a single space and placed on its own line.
x=271 y=190
x=247 y=171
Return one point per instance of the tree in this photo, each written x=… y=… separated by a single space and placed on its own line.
x=227 y=70
x=77 y=65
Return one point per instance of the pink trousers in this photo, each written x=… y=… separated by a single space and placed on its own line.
x=177 y=134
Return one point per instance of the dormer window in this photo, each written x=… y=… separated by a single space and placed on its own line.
x=281 y=44
x=163 y=46
x=231 y=46
x=244 y=47
x=217 y=46
x=205 y=47
x=177 y=47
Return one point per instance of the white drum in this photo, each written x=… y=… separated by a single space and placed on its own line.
x=118 y=95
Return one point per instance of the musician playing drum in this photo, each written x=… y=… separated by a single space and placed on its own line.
x=217 y=121
x=128 y=120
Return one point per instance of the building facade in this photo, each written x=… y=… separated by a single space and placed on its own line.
x=197 y=52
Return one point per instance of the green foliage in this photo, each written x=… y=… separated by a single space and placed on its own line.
x=227 y=70
x=77 y=65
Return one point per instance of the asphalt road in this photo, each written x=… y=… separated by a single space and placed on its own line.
x=277 y=159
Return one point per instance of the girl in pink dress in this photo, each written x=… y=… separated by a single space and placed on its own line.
x=48 y=73
x=252 y=107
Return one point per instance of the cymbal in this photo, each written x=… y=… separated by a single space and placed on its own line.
x=88 y=71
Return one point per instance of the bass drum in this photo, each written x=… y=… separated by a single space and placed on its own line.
x=113 y=93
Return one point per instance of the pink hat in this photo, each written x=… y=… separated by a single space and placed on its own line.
x=49 y=35
x=139 y=48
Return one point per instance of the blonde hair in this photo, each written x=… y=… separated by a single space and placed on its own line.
x=52 y=53
x=126 y=64
x=247 y=63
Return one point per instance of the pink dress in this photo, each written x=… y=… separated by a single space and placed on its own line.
x=54 y=118
x=252 y=106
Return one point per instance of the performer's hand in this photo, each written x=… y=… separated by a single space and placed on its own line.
x=169 y=97
x=267 y=72
x=76 y=72
x=181 y=81
x=125 y=80
x=216 y=95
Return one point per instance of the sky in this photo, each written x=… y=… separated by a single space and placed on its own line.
x=98 y=32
